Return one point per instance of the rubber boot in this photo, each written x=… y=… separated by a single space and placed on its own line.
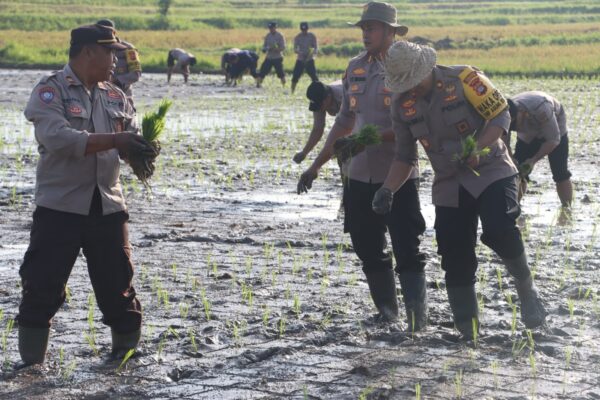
x=33 y=343
x=533 y=312
x=123 y=342
x=382 y=285
x=294 y=86
x=463 y=302
x=414 y=293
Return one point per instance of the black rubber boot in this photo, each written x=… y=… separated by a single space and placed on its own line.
x=533 y=312
x=33 y=343
x=382 y=285
x=123 y=342
x=463 y=302
x=414 y=293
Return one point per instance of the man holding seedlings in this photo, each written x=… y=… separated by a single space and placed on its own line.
x=324 y=99
x=305 y=47
x=129 y=69
x=184 y=61
x=541 y=125
x=83 y=124
x=366 y=101
x=458 y=117
x=273 y=46
x=235 y=63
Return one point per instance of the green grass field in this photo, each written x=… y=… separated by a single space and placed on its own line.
x=535 y=38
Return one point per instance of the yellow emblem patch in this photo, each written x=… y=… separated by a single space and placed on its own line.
x=133 y=61
x=408 y=103
x=359 y=71
x=482 y=95
x=354 y=87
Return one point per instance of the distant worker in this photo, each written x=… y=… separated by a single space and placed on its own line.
x=235 y=63
x=273 y=46
x=184 y=61
x=305 y=46
x=541 y=125
x=129 y=69
x=324 y=99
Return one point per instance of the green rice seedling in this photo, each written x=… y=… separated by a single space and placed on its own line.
x=494 y=366
x=194 y=284
x=571 y=306
x=364 y=394
x=143 y=273
x=159 y=349
x=281 y=326
x=353 y=279
x=1 y=315
x=458 y=384
x=513 y=321
x=206 y=305
x=174 y=271
x=7 y=330
x=468 y=150
x=499 y=276
x=309 y=274
x=532 y=364
x=192 y=336
x=126 y=358
x=266 y=315
x=297 y=305
x=475 y=330
x=68 y=295
x=517 y=347
x=417 y=391
x=184 y=309
x=304 y=392
x=90 y=336
x=61 y=357
x=287 y=293
x=68 y=372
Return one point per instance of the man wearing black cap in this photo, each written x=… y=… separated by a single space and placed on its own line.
x=305 y=46
x=273 y=46
x=83 y=124
x=129 y=69
x=324 y=99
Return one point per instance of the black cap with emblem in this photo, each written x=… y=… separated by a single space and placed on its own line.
x=316 y=93
x=96 y=34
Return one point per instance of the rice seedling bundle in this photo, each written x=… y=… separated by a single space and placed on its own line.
x=468 y=150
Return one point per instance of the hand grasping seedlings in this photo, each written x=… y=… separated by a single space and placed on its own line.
x=153 y=124
x=470 y=151
x=347 y=147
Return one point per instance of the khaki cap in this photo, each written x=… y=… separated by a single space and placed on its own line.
x=407 y=64
x=383 y=12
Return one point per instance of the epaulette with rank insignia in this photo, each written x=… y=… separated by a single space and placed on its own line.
x=479 y=91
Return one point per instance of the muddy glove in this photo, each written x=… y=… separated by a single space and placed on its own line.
x=299 y=157
x=306 y=180
x=382 y=201
x=130 y=142
x=344 y=148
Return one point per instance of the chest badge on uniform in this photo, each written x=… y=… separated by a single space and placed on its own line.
x=47 y=94
x=439 y=84
x=408 y=103
x=352 y=101
x=75 y=110
x=450 y=88
x=387 y=100
x=462 y=126
x=359 y=71
x=113 y=94
x=354 y=87
x=425 y=143
x=410 y=112
x=69 y=79
x=450 y=98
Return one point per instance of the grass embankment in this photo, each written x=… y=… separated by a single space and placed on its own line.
x=532 y=38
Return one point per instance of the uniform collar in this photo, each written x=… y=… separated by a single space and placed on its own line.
x=70 y=76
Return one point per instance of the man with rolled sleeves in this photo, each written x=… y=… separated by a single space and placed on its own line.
x=366 y=100
x=305 y=47
x=129 y=69
x=273 y=46
x=179 y=59
x=440 y=107
x=83 y=124
x=541 y=125
x=324 y=99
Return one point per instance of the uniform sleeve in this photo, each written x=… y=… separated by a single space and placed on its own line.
x=265 y=44
x=281 y=43
x=548 y=123
x=502 y=120
x=297 y=48
x=52 y=129
x=132 y=123
x=405 y=147
x=345 y=118
x=315 y=44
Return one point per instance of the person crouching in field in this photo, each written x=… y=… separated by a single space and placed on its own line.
x=443 y=108
x=83 y=125
x=235 y=63
x=184 y=61
x=305 y=47
x=274 y=46
x=541 y=125
x=366 y=101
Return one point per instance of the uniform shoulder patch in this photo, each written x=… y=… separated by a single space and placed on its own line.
x=47 y=94
x=133 y=60
x=481 y=93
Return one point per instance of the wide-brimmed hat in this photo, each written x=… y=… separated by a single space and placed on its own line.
x=407 y=64
x=383 y=12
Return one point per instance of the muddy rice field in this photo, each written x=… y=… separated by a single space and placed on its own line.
x=251 y=291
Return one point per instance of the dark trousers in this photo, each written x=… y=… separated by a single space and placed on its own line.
x=267 y=64
x=301 y=66
x=56 y=238
x=558 y=158
x=456 y=229
x=404 y=222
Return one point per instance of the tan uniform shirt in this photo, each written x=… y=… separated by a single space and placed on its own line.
x=128 y=68
x=440 y=125
x=183 y=57
x=274 y=45
x=305 y=46
x=64 y=113
x=544 y=117
x=366 y=100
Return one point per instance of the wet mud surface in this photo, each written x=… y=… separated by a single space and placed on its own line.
x=251 y=291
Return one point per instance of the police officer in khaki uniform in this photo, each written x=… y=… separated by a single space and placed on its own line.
x=306 y=48
x=273 y=46
x=179 y=59
x=324 y=99
x=367 y=101
x=541 y=125
x=129 y=69
x=440 y=107
x=83 y=123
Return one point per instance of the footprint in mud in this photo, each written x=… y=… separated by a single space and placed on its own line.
x=251 y=357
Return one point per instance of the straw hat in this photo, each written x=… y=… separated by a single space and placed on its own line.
x=406 y=65
x=382 y=12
